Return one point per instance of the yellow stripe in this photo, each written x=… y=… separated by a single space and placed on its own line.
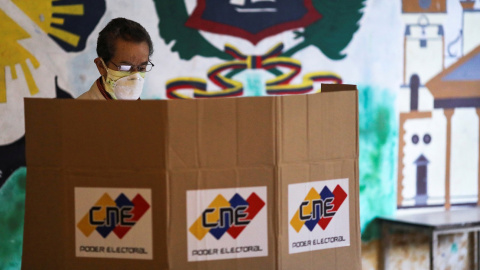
x=283 y=77
x=228 y=45
x=274 y=48
x=13 y=70
x=287 y=87
x=217 y=93
x=249 y=62
x=276 y=60
x=226 y=64
x=3 y=86
x=225 y=80
x=32 y=87
x=321 y=73
x=35 y=62
x=180 y=96
x=310 y=75
x=187 y=79
x=68 y=37
x=233 y=48
x=68 y=9
x=59 y=21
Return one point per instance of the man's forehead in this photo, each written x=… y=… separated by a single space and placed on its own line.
x=130 y=51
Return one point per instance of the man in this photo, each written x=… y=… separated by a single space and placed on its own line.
x=124 y=48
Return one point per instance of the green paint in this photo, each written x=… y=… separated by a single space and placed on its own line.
x=254 y=84
x=454 y=248
x=332 y=33
x=12 y=210
x=187 y=41
x=378 y=144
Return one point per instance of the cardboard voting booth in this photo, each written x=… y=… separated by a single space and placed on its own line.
x=228 y=183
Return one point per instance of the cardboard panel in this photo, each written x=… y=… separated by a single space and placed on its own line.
x=332 y=125
x=93 y=133
x=331 y=258
x=153 y=181
x=217 y=135
x=219 y=182
x=44 y=227
x=318 y=127
x=293 y=129
x=43 y=135
x=89 y=133
x=256 y=131
x=228 y=132
x=51 y=242
x=183 y=134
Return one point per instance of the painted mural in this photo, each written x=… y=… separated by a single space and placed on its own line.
x=439 y=100
x=416 y=64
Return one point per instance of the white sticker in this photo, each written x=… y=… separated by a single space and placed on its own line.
x=113 y=223
x=227 y=223
x=318 y=215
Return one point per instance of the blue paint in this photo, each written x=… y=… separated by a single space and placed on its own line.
x=425 y=4
x=423 y=43
x=228 y=14
x=80 y=25
x=468 y=71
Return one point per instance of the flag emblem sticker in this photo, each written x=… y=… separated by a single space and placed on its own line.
x=113 y=223
x=318 y=215
x=226 y=223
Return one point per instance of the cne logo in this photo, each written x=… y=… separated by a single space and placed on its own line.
x=227 y=216
x=117 y=216
x=318 y=208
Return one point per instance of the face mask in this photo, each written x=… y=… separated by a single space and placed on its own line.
x=123 y=84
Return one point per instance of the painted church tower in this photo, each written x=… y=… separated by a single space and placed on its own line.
x=424 y=46
x=424 y=41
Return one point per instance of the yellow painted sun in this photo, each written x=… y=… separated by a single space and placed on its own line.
x=12 y=53
x=42 y=12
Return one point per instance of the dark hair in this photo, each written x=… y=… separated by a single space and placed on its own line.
x=121 y=28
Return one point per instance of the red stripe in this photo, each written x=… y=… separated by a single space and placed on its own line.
x=258 y=62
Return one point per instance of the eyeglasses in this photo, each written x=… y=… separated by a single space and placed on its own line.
x=132 y=68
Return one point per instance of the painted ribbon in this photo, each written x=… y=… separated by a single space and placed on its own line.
x=270 y=61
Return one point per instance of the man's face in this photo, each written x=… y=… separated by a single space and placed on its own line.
x=126 y=53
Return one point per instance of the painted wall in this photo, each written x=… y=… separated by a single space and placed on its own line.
x=438 y=103
x=390 y=49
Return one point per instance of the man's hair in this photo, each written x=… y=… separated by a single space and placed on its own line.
x=121 y=28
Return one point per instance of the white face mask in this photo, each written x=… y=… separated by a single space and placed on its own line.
x=123 y=84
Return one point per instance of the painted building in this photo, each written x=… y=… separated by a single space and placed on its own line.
x=438 y=156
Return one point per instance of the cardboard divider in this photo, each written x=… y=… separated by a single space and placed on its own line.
x=228 y=183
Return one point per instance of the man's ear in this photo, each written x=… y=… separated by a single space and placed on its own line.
x=100 y=67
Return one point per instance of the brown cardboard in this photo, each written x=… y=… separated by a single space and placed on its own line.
x=172 y=147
